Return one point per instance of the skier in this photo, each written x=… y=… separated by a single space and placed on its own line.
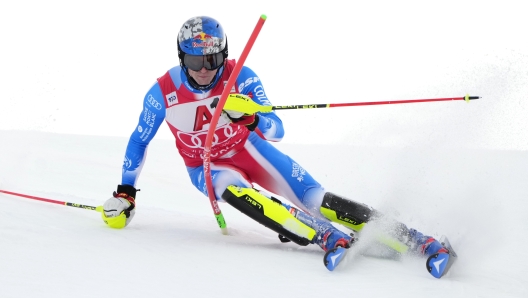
x=241 y=153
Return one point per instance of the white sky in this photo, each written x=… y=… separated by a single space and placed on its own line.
x=174 y=248
x=84 y=67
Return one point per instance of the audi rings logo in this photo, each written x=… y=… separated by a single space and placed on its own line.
x=197 y=140
x=153 y=102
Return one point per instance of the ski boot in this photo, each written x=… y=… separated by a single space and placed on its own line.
x=425 y=245
x=432 y=246
x=333 y=238
x=439 y=262
x=335 y=244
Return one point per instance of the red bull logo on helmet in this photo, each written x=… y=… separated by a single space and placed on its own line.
x=202 y=40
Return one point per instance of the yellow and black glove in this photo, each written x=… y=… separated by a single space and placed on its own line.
x=119 y=210
x=239 y=112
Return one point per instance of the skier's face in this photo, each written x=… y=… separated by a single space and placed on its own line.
x=203 y=76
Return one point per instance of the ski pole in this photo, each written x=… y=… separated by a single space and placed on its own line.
x=98 y=208
x=250 y=107
x=214 y=121
x=467 y=98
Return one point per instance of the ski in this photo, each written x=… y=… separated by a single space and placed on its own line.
x=334 y=256
x=438 y=264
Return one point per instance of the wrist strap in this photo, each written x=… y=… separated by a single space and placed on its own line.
x=128 y=189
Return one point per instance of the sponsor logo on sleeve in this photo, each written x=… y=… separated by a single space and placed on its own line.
x=145 y=132
x=149 y=117
x=298 y=172
x=153 y=102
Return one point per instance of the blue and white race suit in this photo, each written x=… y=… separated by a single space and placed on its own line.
x=238 y=156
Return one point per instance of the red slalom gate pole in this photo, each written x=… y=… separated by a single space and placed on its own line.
x=98 y=209
x=214 y=121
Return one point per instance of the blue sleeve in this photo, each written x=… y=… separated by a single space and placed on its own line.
x=151 y=118
x=270 y=125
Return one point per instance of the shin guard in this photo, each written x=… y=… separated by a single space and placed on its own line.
x=270 y=213
x=356 y=215
x=346 y=212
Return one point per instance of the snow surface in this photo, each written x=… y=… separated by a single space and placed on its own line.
x=73 y=76
x=174 y=248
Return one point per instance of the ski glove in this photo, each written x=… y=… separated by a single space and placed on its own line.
x=239 y=118
x=239 y=113
x=119 y=210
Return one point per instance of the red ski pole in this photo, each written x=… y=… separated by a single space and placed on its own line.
x=467 y=98
x=98 y=208
x=250 y=107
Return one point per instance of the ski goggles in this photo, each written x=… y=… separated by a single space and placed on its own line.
x=210 y=62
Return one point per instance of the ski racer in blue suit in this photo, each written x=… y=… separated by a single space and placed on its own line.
x=242 y=153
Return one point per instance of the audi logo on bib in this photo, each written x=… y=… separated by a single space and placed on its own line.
x=196 y=140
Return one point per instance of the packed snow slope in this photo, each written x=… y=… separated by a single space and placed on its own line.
x=174 y=248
